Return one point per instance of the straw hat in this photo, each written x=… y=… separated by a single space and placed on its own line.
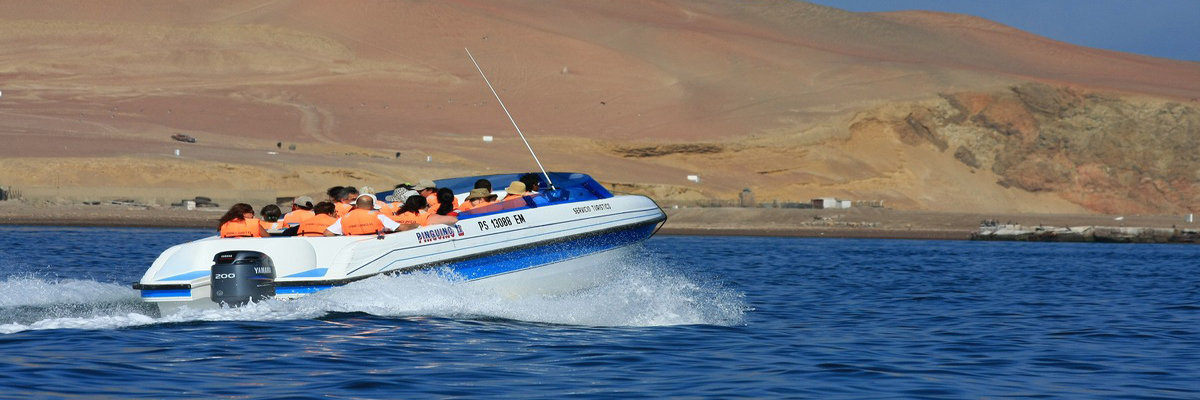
x=479 y=193
x=304 y=201
x=425 y=184
x=515 y=188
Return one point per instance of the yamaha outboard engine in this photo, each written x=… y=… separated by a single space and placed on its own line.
x=241 y=276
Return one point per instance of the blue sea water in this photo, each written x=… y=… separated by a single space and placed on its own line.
x=716 y=317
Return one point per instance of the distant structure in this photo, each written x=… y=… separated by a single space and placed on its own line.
x=694 y=178
x=830 y=202
x=746 y=198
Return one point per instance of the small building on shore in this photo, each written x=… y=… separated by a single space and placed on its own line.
x=830 y=202
x=746 y=198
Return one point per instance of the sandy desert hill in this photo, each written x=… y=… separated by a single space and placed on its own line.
x=922 y=110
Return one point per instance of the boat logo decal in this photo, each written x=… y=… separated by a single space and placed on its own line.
x=593 y=207
x=448 y=232
x=501 y=222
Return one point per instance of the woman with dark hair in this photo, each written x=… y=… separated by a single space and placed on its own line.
x=270 y=217
x=445 y=213
x=324 y=216
x=412 y=213
x=239 y=222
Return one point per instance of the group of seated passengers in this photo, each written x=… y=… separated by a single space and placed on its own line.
x=349 y=213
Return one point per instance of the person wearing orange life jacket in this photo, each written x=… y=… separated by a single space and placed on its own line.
x=239 y=222
x=412 y=214
x=301 y=210
x=362 y=220
x=383 y=207
x=429 y=190
x=271 y=218
x=478 y=198
x=346 y=202
x=333 y=194
x=445 y=213
x=515 y=190
x=324 y=215
x=479 y=184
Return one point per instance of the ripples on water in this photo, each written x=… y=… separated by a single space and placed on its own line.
x=716 y=317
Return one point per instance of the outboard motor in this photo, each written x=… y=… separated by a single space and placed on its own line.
x=241 y=276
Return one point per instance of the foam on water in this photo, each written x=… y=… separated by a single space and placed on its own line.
x=634 y=295
x=34 y=291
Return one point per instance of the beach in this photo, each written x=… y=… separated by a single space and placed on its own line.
x=706 y=221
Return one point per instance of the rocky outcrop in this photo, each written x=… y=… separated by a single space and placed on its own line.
x=1107 y=152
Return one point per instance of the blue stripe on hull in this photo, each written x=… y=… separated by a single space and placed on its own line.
x=548 y=254
x=155 y=293
x=300 y=289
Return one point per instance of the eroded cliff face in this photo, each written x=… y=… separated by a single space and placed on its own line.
x=1108 y=153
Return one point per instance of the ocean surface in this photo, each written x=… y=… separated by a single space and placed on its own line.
x=713 y=317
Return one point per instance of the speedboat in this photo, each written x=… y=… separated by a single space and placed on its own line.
x=555 y=241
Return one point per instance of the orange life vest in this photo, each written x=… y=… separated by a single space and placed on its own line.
x=239 y=228
x=511 y=196
x=296 y=217
x=385 y=208
x=272 y=225
x=315 y=226
x=342 y=209
x=361 y=222
x=406 y=218
x=466 y=205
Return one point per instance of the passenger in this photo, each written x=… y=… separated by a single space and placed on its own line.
x=384 y=207
x=531 y=182
x=400 y=195
x=348 y=196
x=445 y=213
x=239 y=222
x=301 y=210
x=515 y=190
x=362 y=220
x=412 y=214
x=324 y=215
x=428 y=189
x=479 y=184
x=270 y=218
x=478 y=198
x=334 y=193
x=484 y=184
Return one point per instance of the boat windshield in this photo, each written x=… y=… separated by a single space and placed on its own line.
x=569 y=187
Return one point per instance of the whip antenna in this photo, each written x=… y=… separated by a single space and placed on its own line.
x=510 y=118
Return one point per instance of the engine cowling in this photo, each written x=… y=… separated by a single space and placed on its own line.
x=242 y=276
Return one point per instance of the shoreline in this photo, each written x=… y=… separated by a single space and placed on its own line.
x=864 y=223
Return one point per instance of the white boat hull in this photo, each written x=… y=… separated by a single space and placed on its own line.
x=546 y=249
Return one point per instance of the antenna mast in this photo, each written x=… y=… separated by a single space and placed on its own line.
x=510 y=118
